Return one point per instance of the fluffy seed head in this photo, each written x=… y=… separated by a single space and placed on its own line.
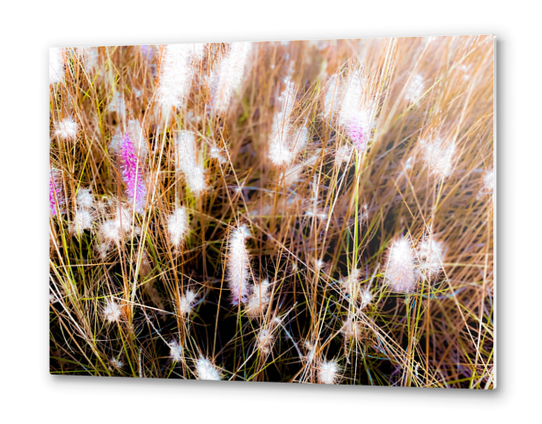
x=327 y=372
x=112 y=311
x=66 y=129
x=350 y=285
x=298 y=141
x=238 y=265
x=430 y=257
x=117 y=105
x=138 y=139
x=116 y=362
x=280 y=151
x=85 y=200
x=187 y=302
x=88 y=56
x=258 y=300
x=400 y=273
x=187 y=163
x=355 y=114
x=229 y=76
x=351 y=329
x=178 y=226
x=415 y=89
x=332 y=100
x=438 y=158
x=176 y=72
x=110 y=232
x=489 y=182
x=342 y=155
x=56 y=65
x=82 y=221
x=365 y=298
x=176 y=351
x=114 y=230
x=206 y=370
x=123 y=218
x=264 y=341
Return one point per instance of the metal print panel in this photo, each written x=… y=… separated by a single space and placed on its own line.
x=305 y=211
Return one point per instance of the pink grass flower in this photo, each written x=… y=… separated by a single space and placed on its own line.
x=132 y=174
x=355 y=133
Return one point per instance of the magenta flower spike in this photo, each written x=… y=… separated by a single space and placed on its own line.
x=132 y=174
x=355 y=132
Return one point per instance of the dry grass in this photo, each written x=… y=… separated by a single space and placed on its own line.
x=312 y=224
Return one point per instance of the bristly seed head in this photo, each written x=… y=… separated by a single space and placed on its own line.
x=85 y=200
x=430 y=257
x=187 y=303
x=351 y=329
x=258 y=300
x=176 y=351
x=356 y=111
x=415 y=89
x=66 y=129
x=400 y=273
x=342 y=155
x=56 y=65
x=327 y=372
x=82 y=221
x=238 y=265
x=206 y=370
x=178 y=226
x=489 y=183
x=264 y=341
x=229 y=76
x=116 y=362
x=439 y=158
x=187 y=163
x=280 y=150
x=112 y=311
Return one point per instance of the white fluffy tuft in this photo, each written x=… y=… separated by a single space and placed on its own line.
x=176 y=351
x=238 y=265
x=258 y=300
x=187 y=303
x=415 y=89
x=280 y=151
x=176 y=72
x=229 y=76
x=187 y=163
x=400 y=273
x=206 y=370
x=56 y=65
x=82 y=221
x=178 y=226
x=439 y=158
x=327 y=372
x=66 y=129
x=85 y=199
x=264 y=341
x=430 y=257
x=112 y=311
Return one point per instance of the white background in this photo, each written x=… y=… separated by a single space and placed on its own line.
x=30 y=394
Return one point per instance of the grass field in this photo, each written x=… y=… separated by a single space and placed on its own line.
x=311 y=212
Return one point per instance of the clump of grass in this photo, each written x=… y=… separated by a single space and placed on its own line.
x=302 y=212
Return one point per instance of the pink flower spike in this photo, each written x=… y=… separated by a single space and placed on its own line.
x=132 y=175
x=355 y=132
